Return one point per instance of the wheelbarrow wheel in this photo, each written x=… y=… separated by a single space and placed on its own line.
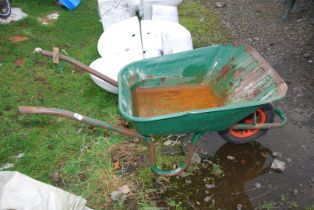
x=265 y=114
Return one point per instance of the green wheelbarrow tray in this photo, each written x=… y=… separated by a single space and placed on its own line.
x=236 y=72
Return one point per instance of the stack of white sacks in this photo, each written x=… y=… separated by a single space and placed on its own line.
x=126 y=39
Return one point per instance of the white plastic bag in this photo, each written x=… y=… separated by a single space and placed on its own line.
x=20 y=192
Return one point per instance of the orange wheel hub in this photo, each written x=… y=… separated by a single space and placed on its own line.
x=243 y=133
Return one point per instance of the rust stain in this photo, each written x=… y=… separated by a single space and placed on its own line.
x=223 y=72
x=163 y=79
x=238 y=72
x=149 y=102
x=257 y=91
x=236 y=44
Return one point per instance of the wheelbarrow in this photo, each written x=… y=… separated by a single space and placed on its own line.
x=235 y=73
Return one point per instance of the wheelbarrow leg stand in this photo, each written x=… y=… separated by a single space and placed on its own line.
x=182 y=166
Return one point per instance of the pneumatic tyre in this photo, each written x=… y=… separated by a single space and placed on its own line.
x=265 y=114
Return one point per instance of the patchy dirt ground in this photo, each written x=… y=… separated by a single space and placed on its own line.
x=248 y=183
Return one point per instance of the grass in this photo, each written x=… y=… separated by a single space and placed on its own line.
x=267 y=205
x=217 y=170
x=55 y=145
x=76 y=155
x=203 y=23
x=283 y=203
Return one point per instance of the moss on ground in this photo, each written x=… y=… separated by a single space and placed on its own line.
x=203 y=23
x=57 y=151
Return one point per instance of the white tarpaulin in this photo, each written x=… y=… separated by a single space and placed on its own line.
x=20 y=192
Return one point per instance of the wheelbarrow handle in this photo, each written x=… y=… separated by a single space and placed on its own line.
x=122 y=130
x=78 y=117
x=182 y=166
x=80 y=65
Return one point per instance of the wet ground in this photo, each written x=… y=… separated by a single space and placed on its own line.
x=247 y=181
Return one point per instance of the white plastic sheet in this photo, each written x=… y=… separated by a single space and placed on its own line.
x=20 y=192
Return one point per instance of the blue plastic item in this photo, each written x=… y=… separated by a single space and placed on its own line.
x=70 y=4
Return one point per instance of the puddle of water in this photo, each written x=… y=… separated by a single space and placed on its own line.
x=226 y=190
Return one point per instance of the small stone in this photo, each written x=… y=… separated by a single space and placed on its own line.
x=188 y=181
x=206 y=191
x=306 y=55
x=276 y=154
x=295 y=191
x=168 y=142
x=196 y=158
x=6 y=166
x=115 y=195
x=207 y=198
x=229 y=157
x=289 y=160
x=220 y=4
x=207 y=161
x=239 y=207
x=124 y=189
x=258 y=185
x=210 y=186
x=310 y=61
x=278 y=165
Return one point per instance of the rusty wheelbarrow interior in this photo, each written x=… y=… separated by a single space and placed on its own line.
x=207 y=89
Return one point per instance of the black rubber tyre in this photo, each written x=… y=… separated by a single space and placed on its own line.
x=268 y=117
x=5 y=9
